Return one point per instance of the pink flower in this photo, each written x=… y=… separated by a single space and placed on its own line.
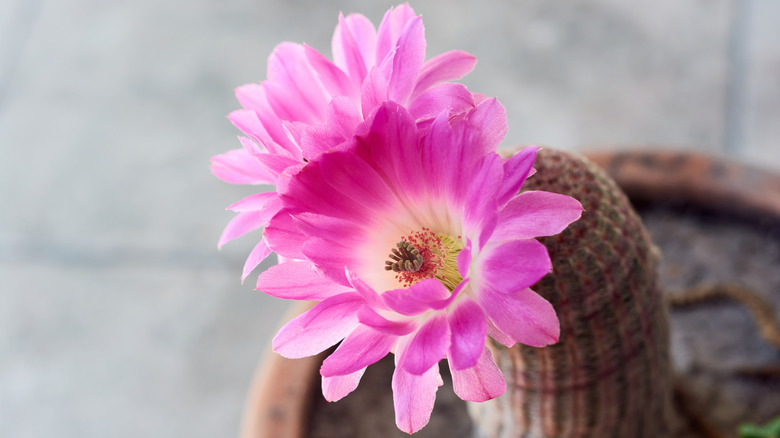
x=309 y=105
x=416 y=242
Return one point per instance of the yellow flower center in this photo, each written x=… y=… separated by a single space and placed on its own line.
x=425 y=254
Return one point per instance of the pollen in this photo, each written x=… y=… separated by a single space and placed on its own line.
x=424 y=254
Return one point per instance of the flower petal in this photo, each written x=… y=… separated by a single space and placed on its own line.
x=373 y=91
x=330 y=257
x=269 y=132
x=283 y=236
x=367 y=316
x=259 y=253
x=451 y=97
x=469 y=330
x=390 y=29
x=427 y=347
x=516 y=170
x=413 y=397
x=335 y=388
x=514 y=265
x=447 y=66
x=524 y=316
x=425 y=295
x=253 y=202
x=241 y=224
x=355 y=179
x=298 y=280
x=335 y=81
x=353 y=45
x=536 y=213
x=292 y=88
x=499 y=336
x=480 y=210
x=360 y=349
x=307 y=191
x=489 y=117
x=240 y=167
x=481 y=382
x=464 y=260
x=407 y=61
x=319 y=328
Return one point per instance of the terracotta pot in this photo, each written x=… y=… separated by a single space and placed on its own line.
x=284 y=391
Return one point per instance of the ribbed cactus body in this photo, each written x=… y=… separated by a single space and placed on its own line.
x=609 y=376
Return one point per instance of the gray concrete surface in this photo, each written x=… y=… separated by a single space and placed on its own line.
x=118 y=316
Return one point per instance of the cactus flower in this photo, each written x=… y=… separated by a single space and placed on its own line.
x=310 y=104
x=415 y=241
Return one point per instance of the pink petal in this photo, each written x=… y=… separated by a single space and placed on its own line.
x=253 y=148
x=307 y=191
x=464 y=260
x=489 y=117
x=259 y=253
x=248 y=122
x=269 y=132
x=342 y=119
x=251 y=96
x=448 y=66
x=352 y=45
x=413 y=398
x=343 y=116
x=407 y=61
x=298 y=280
x=370 y=318
x=360 y=349
x=317 y=140
x=425 y=295
x=292 y=88
x=514 y=265
x=390 y=29
x=524 y=316
x=448 y=152
x=250 y=220
x=294 y=129
x=253 y=202
x=373 y=299
x=283 y=236
x=516 y=170
x=480 y=198
x=481 y=382
x=330 y=257
x=499 y=336
x=239 y=167
x=536 y=213
x=355 y=179
x=319 y=328
x=392 y=148
x=451 y=97
x=373 y=92
x=337 y=231
x=337 y=387
x=241 y=224
x=427 y=347
x=335 y=81
x=276 y=163
x=469 y=330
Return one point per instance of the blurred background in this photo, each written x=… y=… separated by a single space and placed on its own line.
x=119 y=317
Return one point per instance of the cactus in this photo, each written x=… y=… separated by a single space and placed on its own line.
x=610 y=374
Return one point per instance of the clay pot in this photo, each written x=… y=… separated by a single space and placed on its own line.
x=674 y=193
